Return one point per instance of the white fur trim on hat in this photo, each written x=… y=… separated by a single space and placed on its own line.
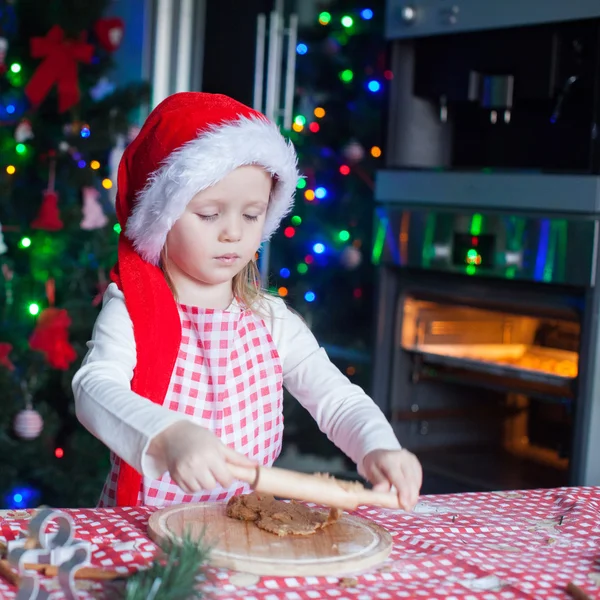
x=201 y=163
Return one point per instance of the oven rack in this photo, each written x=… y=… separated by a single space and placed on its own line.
x=460 y=357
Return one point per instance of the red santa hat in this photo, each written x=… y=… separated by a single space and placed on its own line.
x=188 y=143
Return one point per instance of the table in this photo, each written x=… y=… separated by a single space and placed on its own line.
x=484 y=546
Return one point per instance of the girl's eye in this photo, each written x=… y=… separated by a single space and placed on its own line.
x=251 y=217
x=208 y=217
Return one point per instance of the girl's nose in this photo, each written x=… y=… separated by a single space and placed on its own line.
x=232 y=230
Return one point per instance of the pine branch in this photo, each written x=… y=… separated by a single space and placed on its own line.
x=172 y=576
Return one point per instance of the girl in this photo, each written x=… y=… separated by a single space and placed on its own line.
x=188 y=359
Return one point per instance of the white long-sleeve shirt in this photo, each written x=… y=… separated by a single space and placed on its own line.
x=127 y=422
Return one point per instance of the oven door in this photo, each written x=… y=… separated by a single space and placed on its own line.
x=481 y=377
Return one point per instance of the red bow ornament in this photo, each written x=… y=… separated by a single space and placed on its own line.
x=59 y=67
x=51 y=337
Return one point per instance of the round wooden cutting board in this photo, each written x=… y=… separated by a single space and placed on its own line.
x=349 y=545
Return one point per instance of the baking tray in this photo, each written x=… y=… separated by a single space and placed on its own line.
x=462 y=356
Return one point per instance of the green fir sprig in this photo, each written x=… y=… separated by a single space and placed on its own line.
x=174 y=575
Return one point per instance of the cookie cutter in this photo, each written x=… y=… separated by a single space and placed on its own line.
x=59 y=548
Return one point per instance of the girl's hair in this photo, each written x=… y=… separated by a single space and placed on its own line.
x=246 y=284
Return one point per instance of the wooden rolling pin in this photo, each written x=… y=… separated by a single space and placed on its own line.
x=319 y=489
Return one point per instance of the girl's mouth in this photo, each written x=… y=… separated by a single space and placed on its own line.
x=227 y=259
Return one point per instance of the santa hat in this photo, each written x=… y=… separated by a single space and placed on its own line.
x=188 y=143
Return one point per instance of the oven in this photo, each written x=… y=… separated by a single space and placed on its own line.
x=486 y=354
x=487 y=219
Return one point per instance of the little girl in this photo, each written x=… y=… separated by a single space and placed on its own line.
x=188 y=358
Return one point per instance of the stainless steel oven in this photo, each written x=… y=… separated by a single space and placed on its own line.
x=486 y=240
x=487 y=345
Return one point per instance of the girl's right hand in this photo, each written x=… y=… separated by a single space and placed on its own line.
x=195 y=457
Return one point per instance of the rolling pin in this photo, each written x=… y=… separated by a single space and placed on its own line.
x=312 y=488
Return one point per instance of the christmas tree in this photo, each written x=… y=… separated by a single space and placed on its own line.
x=321 y=260
x=64 y=128
x=64 y=125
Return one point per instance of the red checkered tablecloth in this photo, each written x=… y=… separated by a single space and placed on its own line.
x=504 y=545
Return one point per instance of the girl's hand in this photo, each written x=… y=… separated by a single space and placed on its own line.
x=195 y=457
x=395 y=468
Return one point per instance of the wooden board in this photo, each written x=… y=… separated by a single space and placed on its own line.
x=350 y=545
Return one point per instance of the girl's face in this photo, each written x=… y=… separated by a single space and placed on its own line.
x=220 y=230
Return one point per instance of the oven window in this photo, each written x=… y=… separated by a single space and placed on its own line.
x=529 y=348
x=486 y=397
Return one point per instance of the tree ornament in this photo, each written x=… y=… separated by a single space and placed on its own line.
x=93 y=215
x=51 y=337
x=58 y=67
x=28 y=424
x=109 y=32
x=351 y=257
x=23 y=131
x=8 y=275
x=5 y=350
x=3 y=246
x=3 y=51
x=353 y=152
x=48 y=217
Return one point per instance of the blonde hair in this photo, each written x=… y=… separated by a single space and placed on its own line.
x=246 y=285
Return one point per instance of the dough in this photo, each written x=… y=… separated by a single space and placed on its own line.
x=349 y=486
x=280 y=518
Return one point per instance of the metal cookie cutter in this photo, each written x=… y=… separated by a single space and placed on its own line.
x=42 y=547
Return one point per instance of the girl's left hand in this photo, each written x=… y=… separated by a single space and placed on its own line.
x=398 y=468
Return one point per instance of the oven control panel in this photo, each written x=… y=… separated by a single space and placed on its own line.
x=418 y=18
x=491 y=244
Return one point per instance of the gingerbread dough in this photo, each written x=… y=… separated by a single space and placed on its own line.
x=280 y=518
x=349 y=486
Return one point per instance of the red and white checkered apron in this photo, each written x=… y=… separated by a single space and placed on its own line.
x=228 y=378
